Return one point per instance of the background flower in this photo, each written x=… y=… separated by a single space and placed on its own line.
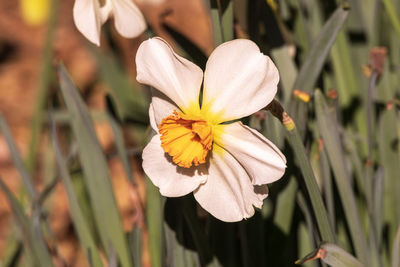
x=89 y=17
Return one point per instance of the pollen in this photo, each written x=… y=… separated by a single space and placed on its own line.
x=186 y=138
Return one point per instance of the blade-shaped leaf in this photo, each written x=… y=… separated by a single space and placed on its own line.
x=336 y=256
x=82 y=228
x=30 y=229
x=135 y=243
x=396 y=250
x=333 y=255
x=312 y=66
x=16 y=157
x=154 y=216
x=97 y=178
x=287 y=70
x=121 y=149
x=285 y=205
x=47 y=75
x=130 y=101
x=318 y=206
x=178 y=246
x=330 y=134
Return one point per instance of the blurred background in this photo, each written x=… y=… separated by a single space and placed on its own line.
x=23 y=50
x=349 y=132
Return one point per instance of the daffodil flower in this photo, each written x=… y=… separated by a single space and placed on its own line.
x=89 y=17
x=196 y=149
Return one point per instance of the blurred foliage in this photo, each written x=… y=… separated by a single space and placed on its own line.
x=342 y=184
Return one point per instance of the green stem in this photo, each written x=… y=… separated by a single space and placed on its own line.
x=321 y=215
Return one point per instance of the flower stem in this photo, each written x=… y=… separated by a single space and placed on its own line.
x=321 y=215
x=295 y=142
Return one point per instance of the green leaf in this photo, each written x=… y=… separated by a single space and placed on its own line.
x=330 y=134
x=328 y=188
x=154 y=218
x=389 y=159
x=121 y=149
x=319 y=209
x=82 y=228
x=19 y=164
x=396 y=250
x=312 y=66
x=333 y=255
x=199 y=236
x=30 y=228
x=178 y=245
x=135 y=242
x=285 y=204
x=344 y=69
x=131 y=102
x=394 y=18
x=227 y=21
x=304 y=243
x=336 y=256
x=12 y=252
x=222 y=20
x=287 y=70
x=96 y=175
x=45 y=80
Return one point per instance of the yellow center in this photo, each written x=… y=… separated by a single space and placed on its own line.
x=186 y=138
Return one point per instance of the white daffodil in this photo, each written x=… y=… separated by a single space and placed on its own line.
x=225 y=165
x=89 y=17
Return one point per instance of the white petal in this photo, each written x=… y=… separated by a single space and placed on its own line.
x=106 y=11
x=162 y=105
x=88 y=19
x=261 y=159
x=151 y=2
x=152 y=118
x=179 y=79
x=239 y=80
x=172 y=180
x=128 y=19
x=228 y=193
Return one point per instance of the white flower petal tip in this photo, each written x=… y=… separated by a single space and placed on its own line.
x=128 y=19
x=238 y=68
x=161 y=68
x=172 y=180
x=228 y=194
x=89 y=17
x=152 y=118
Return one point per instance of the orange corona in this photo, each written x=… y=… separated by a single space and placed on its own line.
x=186 y=138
